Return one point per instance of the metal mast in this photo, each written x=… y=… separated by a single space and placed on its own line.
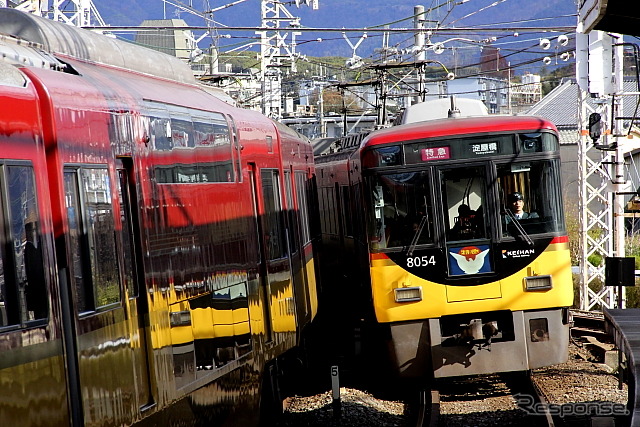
x=274 y=48
x=600 y=171
x=79 y=13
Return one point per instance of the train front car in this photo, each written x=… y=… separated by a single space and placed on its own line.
x=468 y=260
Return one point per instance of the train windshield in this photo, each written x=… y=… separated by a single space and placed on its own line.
x=530 y=198
x=402 y=202
x=463 y=192
x=494 y=200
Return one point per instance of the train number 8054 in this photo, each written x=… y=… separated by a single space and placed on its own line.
x=421 y=261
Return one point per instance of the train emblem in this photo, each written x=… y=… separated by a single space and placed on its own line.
x=469 y=260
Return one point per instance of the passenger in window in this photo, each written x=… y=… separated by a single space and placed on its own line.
x=516 y=206
x=466 y=226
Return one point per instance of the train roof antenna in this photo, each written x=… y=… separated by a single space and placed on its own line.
x=453 y=111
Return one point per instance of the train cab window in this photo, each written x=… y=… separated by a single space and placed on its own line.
x=23 y=290
x=94 y=269
x=402 y=211
x=463 y=196
x=532 y=187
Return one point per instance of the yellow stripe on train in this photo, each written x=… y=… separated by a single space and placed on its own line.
x=439 y=300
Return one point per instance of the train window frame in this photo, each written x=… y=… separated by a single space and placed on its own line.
x=302 y=194
x=87 y=294
x=127 y=235
x=237 y=147
x=204 y=134
x=9 y=256
x=549 y=209
x=273 y=221
x=405 y=225
x=291 y=209
x=347 y=212
x=463 y=216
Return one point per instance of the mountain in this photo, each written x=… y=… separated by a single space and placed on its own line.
x=360 y=14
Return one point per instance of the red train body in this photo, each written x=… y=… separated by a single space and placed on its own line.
x=157 y=259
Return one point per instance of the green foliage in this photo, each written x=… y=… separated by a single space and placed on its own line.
x=573 y=231
x=552 y=78
x=632 y=248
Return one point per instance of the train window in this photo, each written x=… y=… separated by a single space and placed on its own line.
x=535 y=187
x=127 y=234
x=91 y=233
x=23 y=291
x=235 y=138
x=402 y=211
x=464 y=201
x=210 y=161
x=293 y=217
x=347 y=220
x=72 y=201
x=539 y=141
x=328 y=210
x=182 y=134
x=160 y=130
x=384 y=156
x=273 y=220
x=303 y=205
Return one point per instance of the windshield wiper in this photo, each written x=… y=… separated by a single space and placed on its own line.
x=416 y=237
x=519 y=227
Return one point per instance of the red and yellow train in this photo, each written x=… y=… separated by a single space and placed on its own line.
x=156 y=261
x=427 y=266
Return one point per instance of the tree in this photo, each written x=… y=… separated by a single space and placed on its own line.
x=334 y=101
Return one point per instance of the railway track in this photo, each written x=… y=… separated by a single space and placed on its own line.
x=588 y=323
x=506 y=399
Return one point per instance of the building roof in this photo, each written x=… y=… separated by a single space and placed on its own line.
x=560 y=107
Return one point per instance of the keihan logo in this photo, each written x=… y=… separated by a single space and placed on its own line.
x=470 y=259
x=518 y=253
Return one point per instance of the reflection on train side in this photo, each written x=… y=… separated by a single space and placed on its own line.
x=209 y=331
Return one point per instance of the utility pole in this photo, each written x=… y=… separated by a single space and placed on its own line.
x=323 y=124
x=418 y=23
x=419 y=19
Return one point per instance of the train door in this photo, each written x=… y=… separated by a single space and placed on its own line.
x=262 y=262
x=134 y=281
x=104 y=356
x=298 y=270
x=276 y=253
x=464 y=200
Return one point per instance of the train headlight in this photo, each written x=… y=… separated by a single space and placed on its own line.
x=180 y=318
x=538 y=283
x=408 y=294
